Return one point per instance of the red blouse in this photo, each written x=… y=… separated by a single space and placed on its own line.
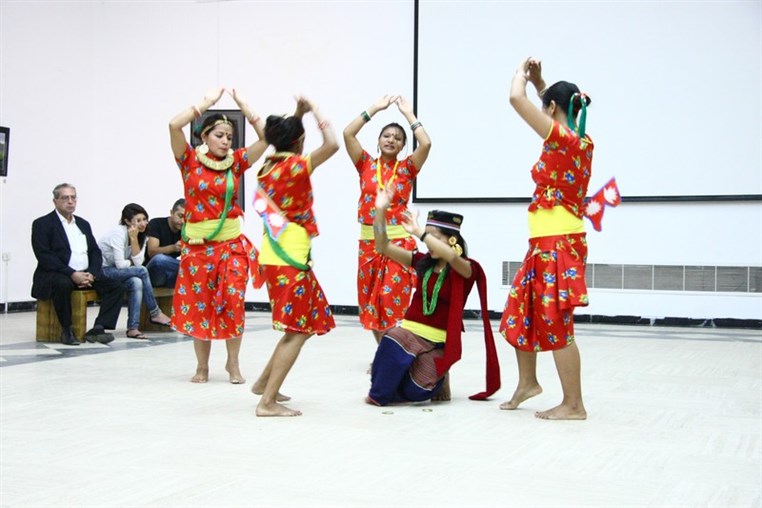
x=403 y=182
x=205 y=188
x=288 y=184
x=563 y=171
x=440 y=316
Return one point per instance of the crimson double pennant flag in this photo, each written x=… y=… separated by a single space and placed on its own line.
x=594 y=205
x=274 y=220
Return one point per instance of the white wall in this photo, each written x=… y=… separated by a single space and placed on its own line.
x=659 y=75
x=89 y=87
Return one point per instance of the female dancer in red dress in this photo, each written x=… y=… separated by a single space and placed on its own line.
x=216 y=258
x=299 y=306
x=384 y=286
x=539 y=314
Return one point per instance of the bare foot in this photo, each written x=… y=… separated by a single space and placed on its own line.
x=236 y=378
x=256 y=389
x=276 y=410
x=202 y=375
x=520 y=395
x=563 y=412
x=372 y=402
x=444 y=394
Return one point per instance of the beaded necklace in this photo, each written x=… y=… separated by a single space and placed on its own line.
x=378 y=173
x=430 y=306
x=213 y=164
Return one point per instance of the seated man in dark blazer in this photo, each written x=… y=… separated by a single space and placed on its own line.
x=68 y=258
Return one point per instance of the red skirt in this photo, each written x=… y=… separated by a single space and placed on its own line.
x=297 y=301
x=384 y=287
x=209 y=300
x=539 y=313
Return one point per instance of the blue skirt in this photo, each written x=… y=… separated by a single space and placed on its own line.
x=404 y=370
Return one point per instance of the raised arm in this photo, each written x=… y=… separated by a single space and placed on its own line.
x=176 y=125
x=329 y=146
x=383 y=245
x=255 y=150
x=530 y=70
x=421 y=152
x=351 y=143
x=436 y=246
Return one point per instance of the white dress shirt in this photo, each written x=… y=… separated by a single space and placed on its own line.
x=78 y=243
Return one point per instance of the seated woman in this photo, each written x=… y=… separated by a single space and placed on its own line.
x=124 y=249
x=412 y=360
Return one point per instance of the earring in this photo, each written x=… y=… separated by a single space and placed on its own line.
x=454 y=246
x=203 y=149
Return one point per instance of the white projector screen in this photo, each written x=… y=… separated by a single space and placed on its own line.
x=675 y=89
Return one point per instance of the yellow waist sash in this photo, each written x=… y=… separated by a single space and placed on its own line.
x=553 y=222
x=197 y=231
x=293 y=239
x=427 y=332
x=392 y=232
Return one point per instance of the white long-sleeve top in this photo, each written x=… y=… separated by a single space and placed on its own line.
x=116 y=249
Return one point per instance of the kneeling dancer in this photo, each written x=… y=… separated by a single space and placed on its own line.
x=413 y=359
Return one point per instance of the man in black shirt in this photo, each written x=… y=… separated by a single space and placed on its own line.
x=163 y=246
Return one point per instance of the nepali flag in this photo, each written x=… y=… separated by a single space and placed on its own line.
x=608 y=195
x=275 y=221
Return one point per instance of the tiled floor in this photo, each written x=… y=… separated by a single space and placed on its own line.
x=675 y=420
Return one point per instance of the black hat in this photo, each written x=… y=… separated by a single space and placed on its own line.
x=444 y=220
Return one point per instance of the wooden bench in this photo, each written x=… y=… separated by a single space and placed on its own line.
x=48 y=327
x=164 y=299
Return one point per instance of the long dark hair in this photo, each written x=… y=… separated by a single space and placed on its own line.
x=283 y=132
x=562 y=93
x=427 y=262
x=130 y=211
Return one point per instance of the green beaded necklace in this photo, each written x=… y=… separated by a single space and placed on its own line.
x=430 y=306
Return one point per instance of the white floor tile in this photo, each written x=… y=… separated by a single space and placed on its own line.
x=675 y=420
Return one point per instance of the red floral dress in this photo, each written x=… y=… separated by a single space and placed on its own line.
x=384 y=287
x=212 y=277
x=539 y=313
x=297 y=300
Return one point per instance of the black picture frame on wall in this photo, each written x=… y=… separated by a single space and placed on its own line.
x=5 y=136
x=239 y=138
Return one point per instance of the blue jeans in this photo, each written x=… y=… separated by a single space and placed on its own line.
x=137 y=283
x=163 y=270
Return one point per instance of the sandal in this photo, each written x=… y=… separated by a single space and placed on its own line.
x=136 y=334
x=162 y=323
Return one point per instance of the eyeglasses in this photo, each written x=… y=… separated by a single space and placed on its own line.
x=67 y=198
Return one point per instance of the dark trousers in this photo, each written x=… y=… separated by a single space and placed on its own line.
x=110 y=291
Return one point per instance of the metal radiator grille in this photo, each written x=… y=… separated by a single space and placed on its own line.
x=726 y=279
